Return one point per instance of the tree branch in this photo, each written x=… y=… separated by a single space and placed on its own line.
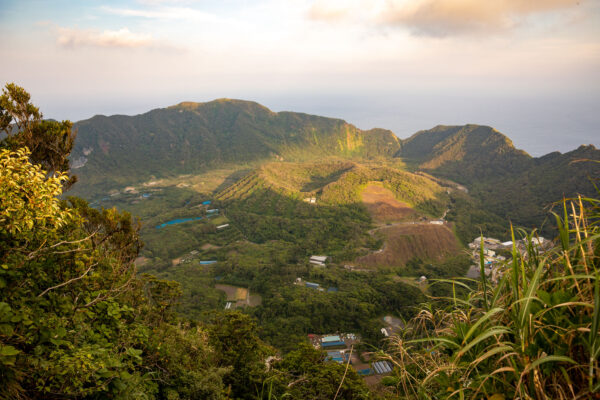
x=69 y=281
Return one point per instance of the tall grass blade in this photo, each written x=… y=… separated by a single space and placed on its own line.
x=483 y=277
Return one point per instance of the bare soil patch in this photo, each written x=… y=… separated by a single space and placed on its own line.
x=406 y=241
x=229 y=290
x=383 y=206
x=176 y=261
x=240 y=296
x=141 y=260
x=208 y=246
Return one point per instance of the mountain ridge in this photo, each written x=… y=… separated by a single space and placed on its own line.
x=191 y=137
x=112 y=152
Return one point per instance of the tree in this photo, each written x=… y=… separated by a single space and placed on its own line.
x=49 y=142
x=75 y=319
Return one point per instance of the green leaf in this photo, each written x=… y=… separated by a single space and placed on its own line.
x=8 y=351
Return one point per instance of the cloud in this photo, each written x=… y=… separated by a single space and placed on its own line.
x=328 y=11
x=437 y=17
x=448 y=17
x=123 y=38
x=164 y=13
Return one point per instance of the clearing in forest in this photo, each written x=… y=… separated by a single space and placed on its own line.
x=383 y=205
x=241 y=297
x=406 y=241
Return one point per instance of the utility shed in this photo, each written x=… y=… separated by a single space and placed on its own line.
x=332 y=338
x=332 y=341
x=333 y=344
x=336 y=356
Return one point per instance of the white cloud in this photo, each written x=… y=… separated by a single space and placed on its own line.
x=437 y=17
x=448 y=17
x=164 y=13
x=70 y=37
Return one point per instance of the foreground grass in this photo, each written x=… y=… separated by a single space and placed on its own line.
x=532 y=334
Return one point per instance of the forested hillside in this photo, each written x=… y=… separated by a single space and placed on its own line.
x=195 y=137
x=506 y=181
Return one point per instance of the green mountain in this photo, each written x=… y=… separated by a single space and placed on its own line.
x=194 y=137
x=233 y=135
x=506 y=181
x=464 y=153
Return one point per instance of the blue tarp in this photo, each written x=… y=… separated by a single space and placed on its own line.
x=177 y=221
x=333 y=344
x=205 y=203
x=366 y=371
x=208 y=262
x=332 y=290
x=335 y=356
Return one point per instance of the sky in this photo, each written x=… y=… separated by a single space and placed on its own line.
x=529 y=68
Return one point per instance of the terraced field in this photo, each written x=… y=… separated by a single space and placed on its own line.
x=409 y=240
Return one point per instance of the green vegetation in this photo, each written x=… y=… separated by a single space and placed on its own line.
x=532 y=334
x=502 y=180
x=79 y=319
x=197 y=137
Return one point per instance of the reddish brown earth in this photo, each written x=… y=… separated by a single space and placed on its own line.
x=383 y=206
x=405 y=241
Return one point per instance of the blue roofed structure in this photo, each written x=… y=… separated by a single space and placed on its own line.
x=336 y=356
x=333 y=344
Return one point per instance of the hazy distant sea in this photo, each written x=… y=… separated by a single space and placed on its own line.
x=536 y=126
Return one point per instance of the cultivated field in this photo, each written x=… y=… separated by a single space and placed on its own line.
x=241 y=296
x=383 y=206
x=406 y=241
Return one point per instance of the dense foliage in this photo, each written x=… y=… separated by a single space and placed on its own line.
x=77 y=321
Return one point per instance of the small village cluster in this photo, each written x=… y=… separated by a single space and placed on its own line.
x=342 y=349
x=492 y=254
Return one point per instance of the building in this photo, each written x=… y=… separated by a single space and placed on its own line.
x=311 y=285
x=336 y=356
x=318 y=260
x=222 y=226
x=382 y=367
x=333 y=341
